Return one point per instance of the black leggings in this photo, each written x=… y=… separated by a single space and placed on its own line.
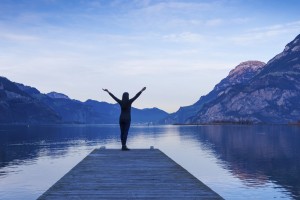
x=124 y=126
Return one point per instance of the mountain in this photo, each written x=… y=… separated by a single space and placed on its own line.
x=25 y=104
x=17 y=106
x=69 y=111
x=95 y=112
x=110 y=113
x=148 y=115
x=102 y=112
x=240 y=75
x=56 y=95
x=272 y=96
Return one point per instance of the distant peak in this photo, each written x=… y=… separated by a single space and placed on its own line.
x=248 y=65
x=56 y=95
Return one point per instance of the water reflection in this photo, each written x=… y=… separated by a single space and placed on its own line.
x=21 y=143
x=256 y=154
x=236 y=161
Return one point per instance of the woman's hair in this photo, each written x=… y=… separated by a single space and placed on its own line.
x=125 y=96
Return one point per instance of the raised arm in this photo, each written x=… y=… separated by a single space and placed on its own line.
x=137 y=95
x=113 y=96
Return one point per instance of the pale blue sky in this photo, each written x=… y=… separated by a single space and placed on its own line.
x=178 y=49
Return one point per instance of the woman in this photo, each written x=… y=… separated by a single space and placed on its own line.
x=125 y=117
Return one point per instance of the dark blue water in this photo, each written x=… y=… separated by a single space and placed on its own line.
x=238 y=162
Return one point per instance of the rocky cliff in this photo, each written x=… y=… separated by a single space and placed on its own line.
x=239 y=76
x=271 y=96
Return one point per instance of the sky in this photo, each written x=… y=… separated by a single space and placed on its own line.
x=178 y=49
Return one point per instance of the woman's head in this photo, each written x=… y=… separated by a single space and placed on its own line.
x=125 y=96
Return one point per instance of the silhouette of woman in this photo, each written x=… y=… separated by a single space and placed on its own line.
x=125 y=116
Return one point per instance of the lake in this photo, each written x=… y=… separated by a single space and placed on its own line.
x=238 y=162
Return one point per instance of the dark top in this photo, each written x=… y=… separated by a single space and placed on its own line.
x=125 y=105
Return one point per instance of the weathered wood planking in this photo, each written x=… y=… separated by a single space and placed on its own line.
x=134 y=174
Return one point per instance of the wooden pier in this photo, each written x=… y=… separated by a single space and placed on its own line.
x=134 y=174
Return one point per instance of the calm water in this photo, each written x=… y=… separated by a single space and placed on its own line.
x=238 y=162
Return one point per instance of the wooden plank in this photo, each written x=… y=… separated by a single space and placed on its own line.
x=134 y=174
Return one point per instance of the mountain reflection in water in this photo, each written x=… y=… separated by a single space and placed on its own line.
x=251 y=156
x=257 y=154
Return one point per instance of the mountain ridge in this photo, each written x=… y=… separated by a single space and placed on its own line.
x=21 y=104
x=241 y=74
x=272 y=96
x=17 y=106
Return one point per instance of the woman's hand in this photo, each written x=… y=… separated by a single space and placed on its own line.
x=106 y=90
x=144 y=88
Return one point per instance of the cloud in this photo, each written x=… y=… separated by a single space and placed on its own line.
x=176 y=6
x=186 y=37
x=265 y=33
x=214 y=22
x=18 y=37
x=225 y=21
x=166 y=14
x=241 y=20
